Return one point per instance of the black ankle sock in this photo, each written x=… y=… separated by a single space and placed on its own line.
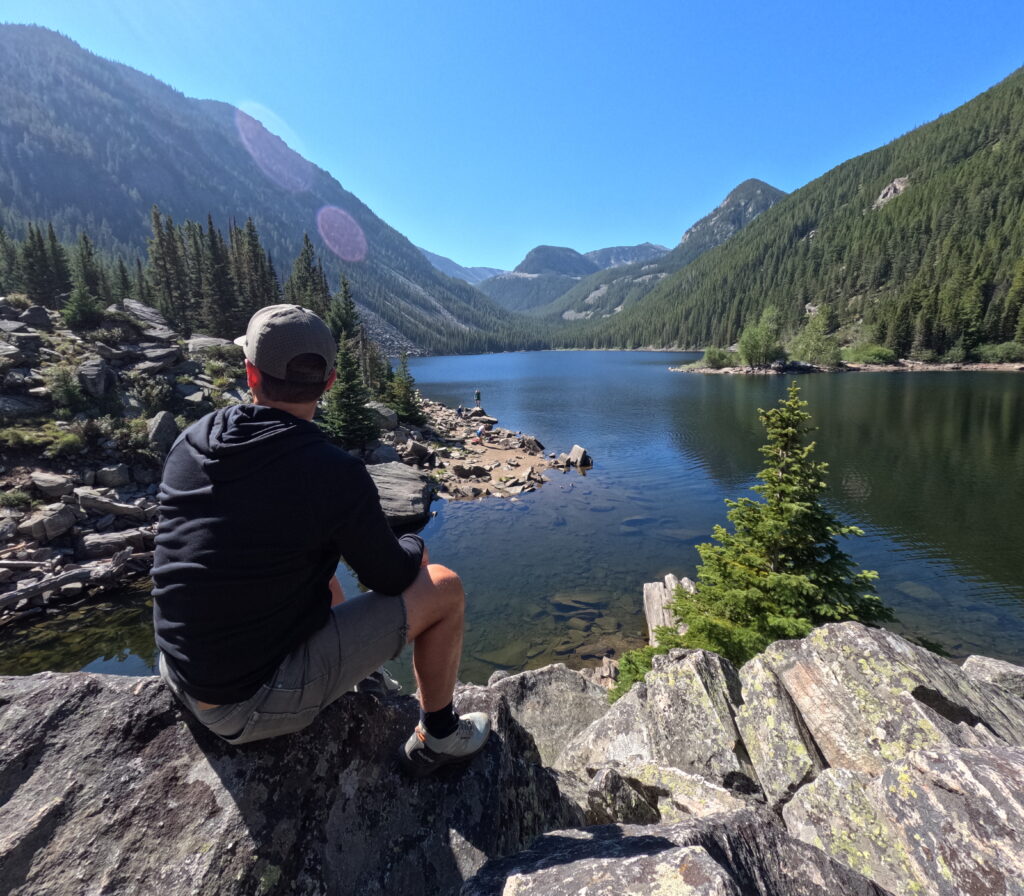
x=440 y=722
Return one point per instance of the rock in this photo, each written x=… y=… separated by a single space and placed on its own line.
x=160 y=359
x=1006 y=675
x=934 y=823
x=36 y=316
x=162 y=431
x=740 y=854
x=106 y=544
x=15 y=407
x=96 y=377
x=474 y=471
x=868 y=698
x=51 y=485
x=48 y=523
x=108 y=785
x=681 y=716
x=612 y=799
x=781 y=749
x=405 y=494
x=677 y=795
x=200 y=345
x=114 y=476
x=10 y=355
x=386 y=417
x=554 y=703
x=384 y=454
x=93 y=501
x=578 y=457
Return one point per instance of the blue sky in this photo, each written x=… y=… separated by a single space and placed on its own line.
x=480 y=130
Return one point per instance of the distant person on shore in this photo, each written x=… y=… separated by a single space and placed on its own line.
x=460 y=411
x=256 y=509
x=476 y=397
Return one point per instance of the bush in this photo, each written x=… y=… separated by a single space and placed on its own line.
x=717 y=358
x=815 y=345
x=759 y=343
x=1002 y=353
x=155 y=394
x=633 y=666
x=869 y=353
x=16 y=500
x=65 y=390
x=82 y=311
x=63 y=445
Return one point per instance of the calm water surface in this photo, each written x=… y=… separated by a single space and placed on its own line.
x=930 y=465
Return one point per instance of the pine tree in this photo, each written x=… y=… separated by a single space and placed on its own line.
x=307 y=285
x=781 y=571
x=342 y=316
x=34 y=267
x=60 y=272
x=346 y=417
x=404 y=399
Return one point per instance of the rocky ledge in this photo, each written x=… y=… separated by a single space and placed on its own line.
x=849 y=762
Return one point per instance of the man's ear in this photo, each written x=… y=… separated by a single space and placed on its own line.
x=252 y=374
x=331 y=379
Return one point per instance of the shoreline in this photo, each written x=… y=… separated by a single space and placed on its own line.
x=899 y=367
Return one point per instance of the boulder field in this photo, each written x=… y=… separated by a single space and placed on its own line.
x=849 y=762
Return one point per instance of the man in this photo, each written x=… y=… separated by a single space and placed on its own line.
x=256 y=507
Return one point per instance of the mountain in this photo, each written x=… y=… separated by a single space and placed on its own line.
x=918 y=244
x=549 y=272
x=610 y=291
x=454 y=269
x=619 y=255
x=91 y=144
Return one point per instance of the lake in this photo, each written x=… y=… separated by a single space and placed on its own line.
x=929 y=465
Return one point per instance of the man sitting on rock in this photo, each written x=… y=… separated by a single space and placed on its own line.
x=256 y=507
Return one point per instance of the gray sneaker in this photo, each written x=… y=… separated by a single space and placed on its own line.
x=423 y=754
x=379 y=684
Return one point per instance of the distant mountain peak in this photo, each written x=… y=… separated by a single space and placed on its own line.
x=744 y=203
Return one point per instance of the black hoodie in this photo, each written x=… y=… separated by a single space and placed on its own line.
x=256 y=507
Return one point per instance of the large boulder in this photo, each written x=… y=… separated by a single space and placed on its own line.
x=109 y=786
x=162 y=430
x=933 y=824
x=682 y=716
x=384 y=416
x=96 y=377
x=48 y=523
x=405 y=494
x=740 y=854
x=866 y=697
x=554 y=703
x=998 y=672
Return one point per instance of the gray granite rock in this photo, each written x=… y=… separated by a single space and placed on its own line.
x=740 y=854
x=113 y=476
x=682 y=717
x=869 y=698
x=47 y=523
x=96 y=377
x=162 y=431
x=51 y=485
x=385 y=416
x=554 y=703
x=37 y=317
x=998 y=672
x=109 y=787
x=405 y=494
x=933 y=824
x=95 y=502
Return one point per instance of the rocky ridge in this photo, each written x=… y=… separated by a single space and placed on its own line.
x=849 y=762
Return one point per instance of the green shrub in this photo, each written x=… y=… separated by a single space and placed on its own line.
x=82 y=311
x=66 y=444
x=154 y=393
x=1002 y=353
x=759 y=343
x=65 y=390
x=633 y=666
x=869 y=353
x=717 y=358
x=16 y=499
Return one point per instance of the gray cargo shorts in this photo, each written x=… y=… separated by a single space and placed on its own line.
x=361 y=633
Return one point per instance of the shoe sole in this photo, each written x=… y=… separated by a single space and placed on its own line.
x=421 y=769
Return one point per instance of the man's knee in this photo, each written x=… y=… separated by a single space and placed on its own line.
x=436 y=594
x=447 y=585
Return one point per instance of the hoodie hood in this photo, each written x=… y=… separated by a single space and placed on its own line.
x=238 y=440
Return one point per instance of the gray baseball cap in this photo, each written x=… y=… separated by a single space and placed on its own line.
x=278 y=333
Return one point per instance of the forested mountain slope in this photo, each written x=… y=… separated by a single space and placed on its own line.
x=610 y=291
x=918 y=244
x=90 y=144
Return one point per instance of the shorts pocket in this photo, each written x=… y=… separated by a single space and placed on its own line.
x=261 y=725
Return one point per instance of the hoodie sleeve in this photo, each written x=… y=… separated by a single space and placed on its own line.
x=381 y=561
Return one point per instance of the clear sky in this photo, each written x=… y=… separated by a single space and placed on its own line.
x=482 y=129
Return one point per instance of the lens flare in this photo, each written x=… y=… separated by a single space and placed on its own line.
x=275 y=158
x=343 y=236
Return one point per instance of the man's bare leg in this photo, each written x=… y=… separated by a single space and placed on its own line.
x=435 y=609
